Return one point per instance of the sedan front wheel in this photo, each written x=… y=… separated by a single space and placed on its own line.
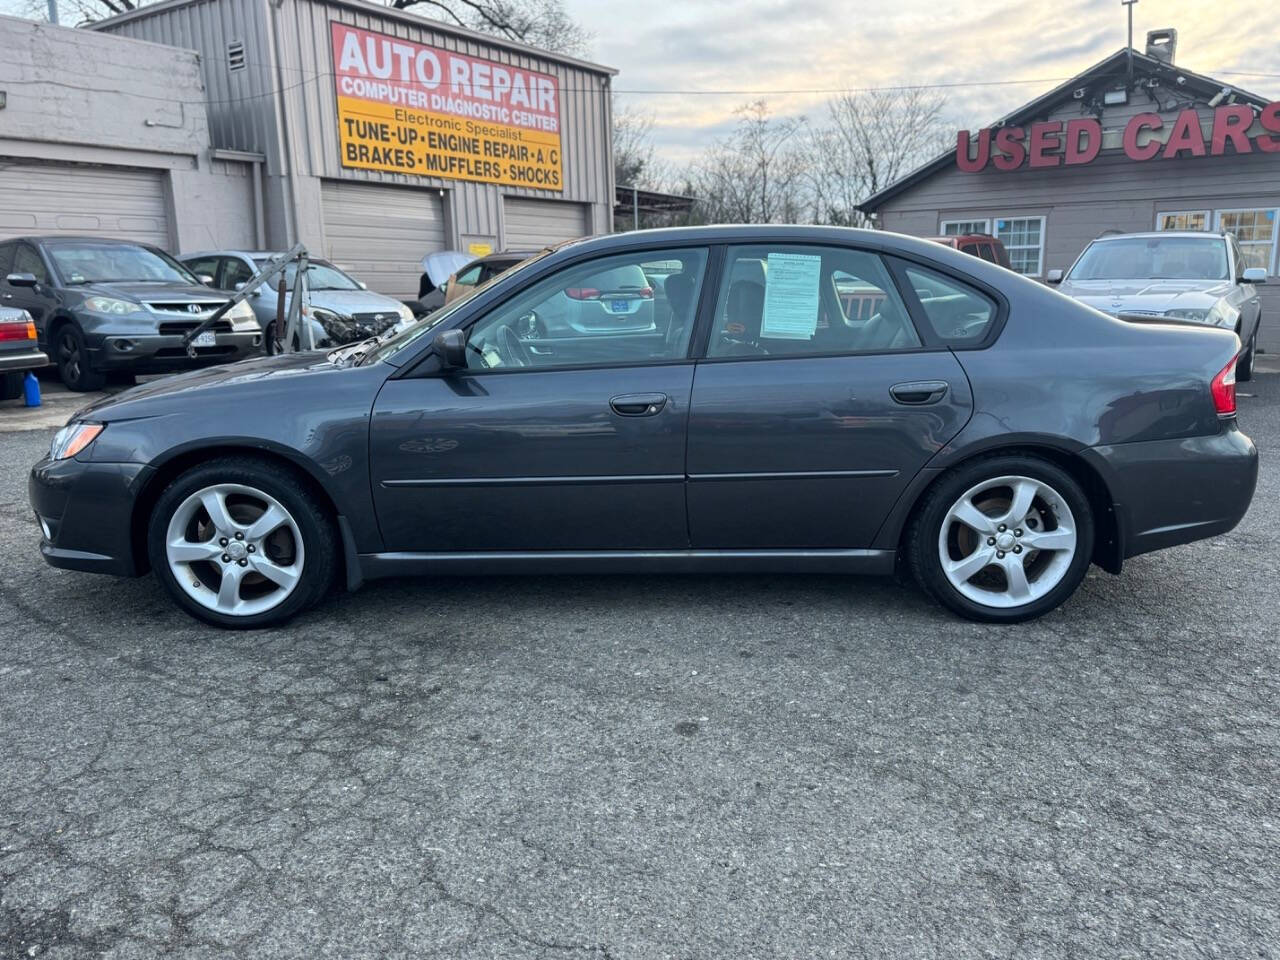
x=242 y=543
x=1004 y=539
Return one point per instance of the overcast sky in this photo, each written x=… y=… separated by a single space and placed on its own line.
x=790 y=45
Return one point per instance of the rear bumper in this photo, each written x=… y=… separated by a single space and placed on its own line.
x=1169 y=492
x=85 y=511
x=27 y=360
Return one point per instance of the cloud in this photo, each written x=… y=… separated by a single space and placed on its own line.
x=784 y=48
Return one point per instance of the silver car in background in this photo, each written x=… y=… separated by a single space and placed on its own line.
x=341 y=308
x=1187 y=276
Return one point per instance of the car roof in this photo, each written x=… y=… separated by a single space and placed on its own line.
x=77 y=238
x=1148 y=234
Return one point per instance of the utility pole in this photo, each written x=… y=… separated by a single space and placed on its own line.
x=53 y=12
x=1129 y=50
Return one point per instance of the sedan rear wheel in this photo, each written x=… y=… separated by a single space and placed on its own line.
x=1244 y=366
x=1003 y=539
x=242 y=543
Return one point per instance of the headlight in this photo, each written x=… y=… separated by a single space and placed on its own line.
x=1224 y=314
x=111 y=306
x=73 y=438
x=241 y=311
x=1199 y=316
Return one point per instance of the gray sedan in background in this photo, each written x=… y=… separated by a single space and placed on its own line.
x=1183 y=276
x=341 y=309
x=974 y=428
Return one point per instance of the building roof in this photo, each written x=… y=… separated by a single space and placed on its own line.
x=1108 y=71
x=390 y=13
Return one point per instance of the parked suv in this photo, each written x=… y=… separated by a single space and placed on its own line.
x=978 y=245
x=1180 y=276
x=340 y=309
x=104 y=305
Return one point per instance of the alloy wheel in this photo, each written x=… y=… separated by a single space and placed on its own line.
x=234 y=549
x=1007 y=541
x=69 y=354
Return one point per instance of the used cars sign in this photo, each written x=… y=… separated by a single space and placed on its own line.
x=404 y=107
x=1146 y=136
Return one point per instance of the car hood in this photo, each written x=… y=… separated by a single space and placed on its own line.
x=152 y=291
x=1146 y=296
x=154 y=397
x=349 y=302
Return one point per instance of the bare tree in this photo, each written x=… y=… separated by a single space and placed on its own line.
x=539 y=23
x=756 y=174
x=633 y=153
x=869 y=141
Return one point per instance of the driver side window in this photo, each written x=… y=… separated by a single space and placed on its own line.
x=627 y=309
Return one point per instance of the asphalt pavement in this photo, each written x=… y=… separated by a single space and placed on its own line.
x=636 y=767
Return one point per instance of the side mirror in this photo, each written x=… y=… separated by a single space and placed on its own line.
x=1254 y=275
x=1053 y=276
x=205 y=279
x=22 y=280
x=362 y=285
x=451 y=345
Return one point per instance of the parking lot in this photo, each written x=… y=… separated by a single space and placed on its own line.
x=644 y=767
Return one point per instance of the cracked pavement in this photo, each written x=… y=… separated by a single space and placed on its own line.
x=698 y=767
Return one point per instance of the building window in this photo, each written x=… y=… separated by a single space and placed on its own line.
x=1023 y=237
x=1183 y=220
x=1256 y=231
x=960 y=228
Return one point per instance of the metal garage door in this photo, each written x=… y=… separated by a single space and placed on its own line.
x=531 y=224
x=379 y=234
x=45 y=198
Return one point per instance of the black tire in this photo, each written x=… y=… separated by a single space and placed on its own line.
x=72 y=358
x=11 y=386
x=269 y=340
x=926 y=527
x=313 y=518
x=1244 y=366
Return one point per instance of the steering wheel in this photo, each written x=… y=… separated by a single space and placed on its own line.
x=513 y=351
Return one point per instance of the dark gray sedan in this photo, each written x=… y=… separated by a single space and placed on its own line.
x=976 y=428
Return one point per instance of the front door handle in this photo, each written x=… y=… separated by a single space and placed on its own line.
x=638 y=404
x=919 y=393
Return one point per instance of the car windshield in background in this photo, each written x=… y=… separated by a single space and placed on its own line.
x=320 y=276
x=116 y=262
x=416 y=331
x=1153 y=258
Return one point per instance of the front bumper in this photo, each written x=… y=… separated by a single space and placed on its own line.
x=85 y=511
x=1169 y=492
x=165 y=352
x=27 y=360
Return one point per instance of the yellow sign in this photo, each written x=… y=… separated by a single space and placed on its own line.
x=408 y=108
x=479 y=249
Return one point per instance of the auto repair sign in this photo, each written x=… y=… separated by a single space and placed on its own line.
x=405 y=107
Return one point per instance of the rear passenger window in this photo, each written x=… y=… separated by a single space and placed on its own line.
x=806 y=300
x=957 y=313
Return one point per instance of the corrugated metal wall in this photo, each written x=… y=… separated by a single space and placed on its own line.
x=244 y=107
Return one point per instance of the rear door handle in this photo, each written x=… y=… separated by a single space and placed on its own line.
x=919 y=393
x=638 y=404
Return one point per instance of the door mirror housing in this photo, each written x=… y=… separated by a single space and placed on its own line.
x=205 y=279
x=362 y=285
x=22 y=280
x=451 y=346
x=1254 y=275
x=1053 y=276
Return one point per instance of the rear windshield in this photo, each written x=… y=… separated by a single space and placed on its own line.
x=1153 y=258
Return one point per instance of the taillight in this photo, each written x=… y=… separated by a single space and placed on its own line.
x=1223 y=388
x=646 y=293
x=11 y=330
x=582 y=293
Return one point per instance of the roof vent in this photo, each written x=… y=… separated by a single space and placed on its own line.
x=1162 y=44
x=235 y=55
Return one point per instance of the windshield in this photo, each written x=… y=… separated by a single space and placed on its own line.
x=414 y=332
x=1153 y=258
x=106 y=262
x=320 y=276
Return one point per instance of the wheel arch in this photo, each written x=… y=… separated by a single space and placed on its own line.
x=1108 y=546
x=181 y=459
